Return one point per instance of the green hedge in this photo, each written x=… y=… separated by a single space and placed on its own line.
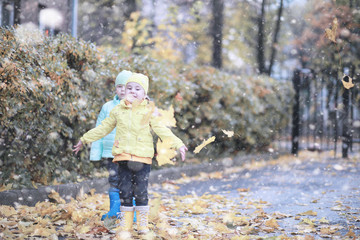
x=52 y=90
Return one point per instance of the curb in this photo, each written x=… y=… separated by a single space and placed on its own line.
x=30 y=197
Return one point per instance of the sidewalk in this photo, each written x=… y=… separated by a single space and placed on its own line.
x=30 y=197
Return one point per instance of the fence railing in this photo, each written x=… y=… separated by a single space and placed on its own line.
x=325 y=116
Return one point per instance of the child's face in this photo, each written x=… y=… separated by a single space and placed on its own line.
x=120 y=91
x=134 y=91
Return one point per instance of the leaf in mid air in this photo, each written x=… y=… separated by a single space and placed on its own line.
x=228 y=133
x=167 y=117
x=203 y=144
x=347 y=82
x=331 y=32
x=165 y=153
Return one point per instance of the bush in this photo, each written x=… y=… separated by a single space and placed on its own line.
x=53 y=88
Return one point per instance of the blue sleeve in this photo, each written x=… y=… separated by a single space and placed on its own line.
x=97 y=146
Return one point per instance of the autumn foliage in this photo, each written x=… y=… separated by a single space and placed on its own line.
x=53 y=88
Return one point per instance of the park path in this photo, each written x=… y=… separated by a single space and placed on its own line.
x=312 y=195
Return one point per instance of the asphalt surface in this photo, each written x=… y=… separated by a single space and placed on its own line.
x=30 y=197
x=329 y=187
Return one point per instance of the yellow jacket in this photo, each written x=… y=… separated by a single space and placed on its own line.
x=133 y=130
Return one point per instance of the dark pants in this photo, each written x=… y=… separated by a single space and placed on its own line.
x=113 y=168
x=134 y=179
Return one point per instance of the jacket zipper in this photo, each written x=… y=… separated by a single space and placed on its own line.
x=128 y=135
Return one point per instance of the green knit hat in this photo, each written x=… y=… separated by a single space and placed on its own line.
x=122 y=77
x=140 y=79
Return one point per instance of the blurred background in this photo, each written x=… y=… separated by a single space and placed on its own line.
x=272 y=71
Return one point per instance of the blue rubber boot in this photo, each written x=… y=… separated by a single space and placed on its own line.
x=134 y=211
x=114 y=204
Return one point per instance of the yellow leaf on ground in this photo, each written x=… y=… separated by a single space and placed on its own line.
x=34 y=184
x=351 y=233
x=236 y=220
x=7 y=211
x=325 y=230
x=323 y=220
x=216 y=175
x=154 y=209
x=43 y=231
x=243 y=189
x=5 y=187
x=55 y=195
x=222 y=228
x=203 y=144
x=308 y=213
x=308 y=221
x=272 y=223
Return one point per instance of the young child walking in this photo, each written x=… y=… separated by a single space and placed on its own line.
x=102 y=148
x=133 y=149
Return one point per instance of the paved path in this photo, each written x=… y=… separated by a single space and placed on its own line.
x=329 y=187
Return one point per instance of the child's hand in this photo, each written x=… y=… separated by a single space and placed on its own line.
x=77 y=147
x=183 y=150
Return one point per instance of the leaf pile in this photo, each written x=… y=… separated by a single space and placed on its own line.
x=175 y=216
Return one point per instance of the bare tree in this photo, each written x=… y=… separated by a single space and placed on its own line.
x=216 y=33
x=17 y=11
x=275 y=39
x=260 y=39
x=261 y=56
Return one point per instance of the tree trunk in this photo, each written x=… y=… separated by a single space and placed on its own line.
x=345 y=123
x=217 y=26
x=275 y=39
x=130 y=7
x=17 y=12
x=295 y=135
x=260 y=40
x=336 y=117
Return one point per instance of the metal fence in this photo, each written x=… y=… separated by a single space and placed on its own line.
x=326 y=116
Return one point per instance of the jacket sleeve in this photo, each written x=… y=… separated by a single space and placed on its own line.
x=106 y=126
x=97 y=146
x=165 y=133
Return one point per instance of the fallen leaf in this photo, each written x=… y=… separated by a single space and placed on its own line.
x=323 y=220
x=278 y=215
x=203 y=144
x=55 y=196
x=243 y=189
x=308 y=221
x=7 y=211
x=272 y=223
x=98 y=230
x=351 y=233
x=5 y=187
x=308 y=213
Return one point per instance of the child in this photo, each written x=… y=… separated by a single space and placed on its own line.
x=133 y=148
x=102 y=148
